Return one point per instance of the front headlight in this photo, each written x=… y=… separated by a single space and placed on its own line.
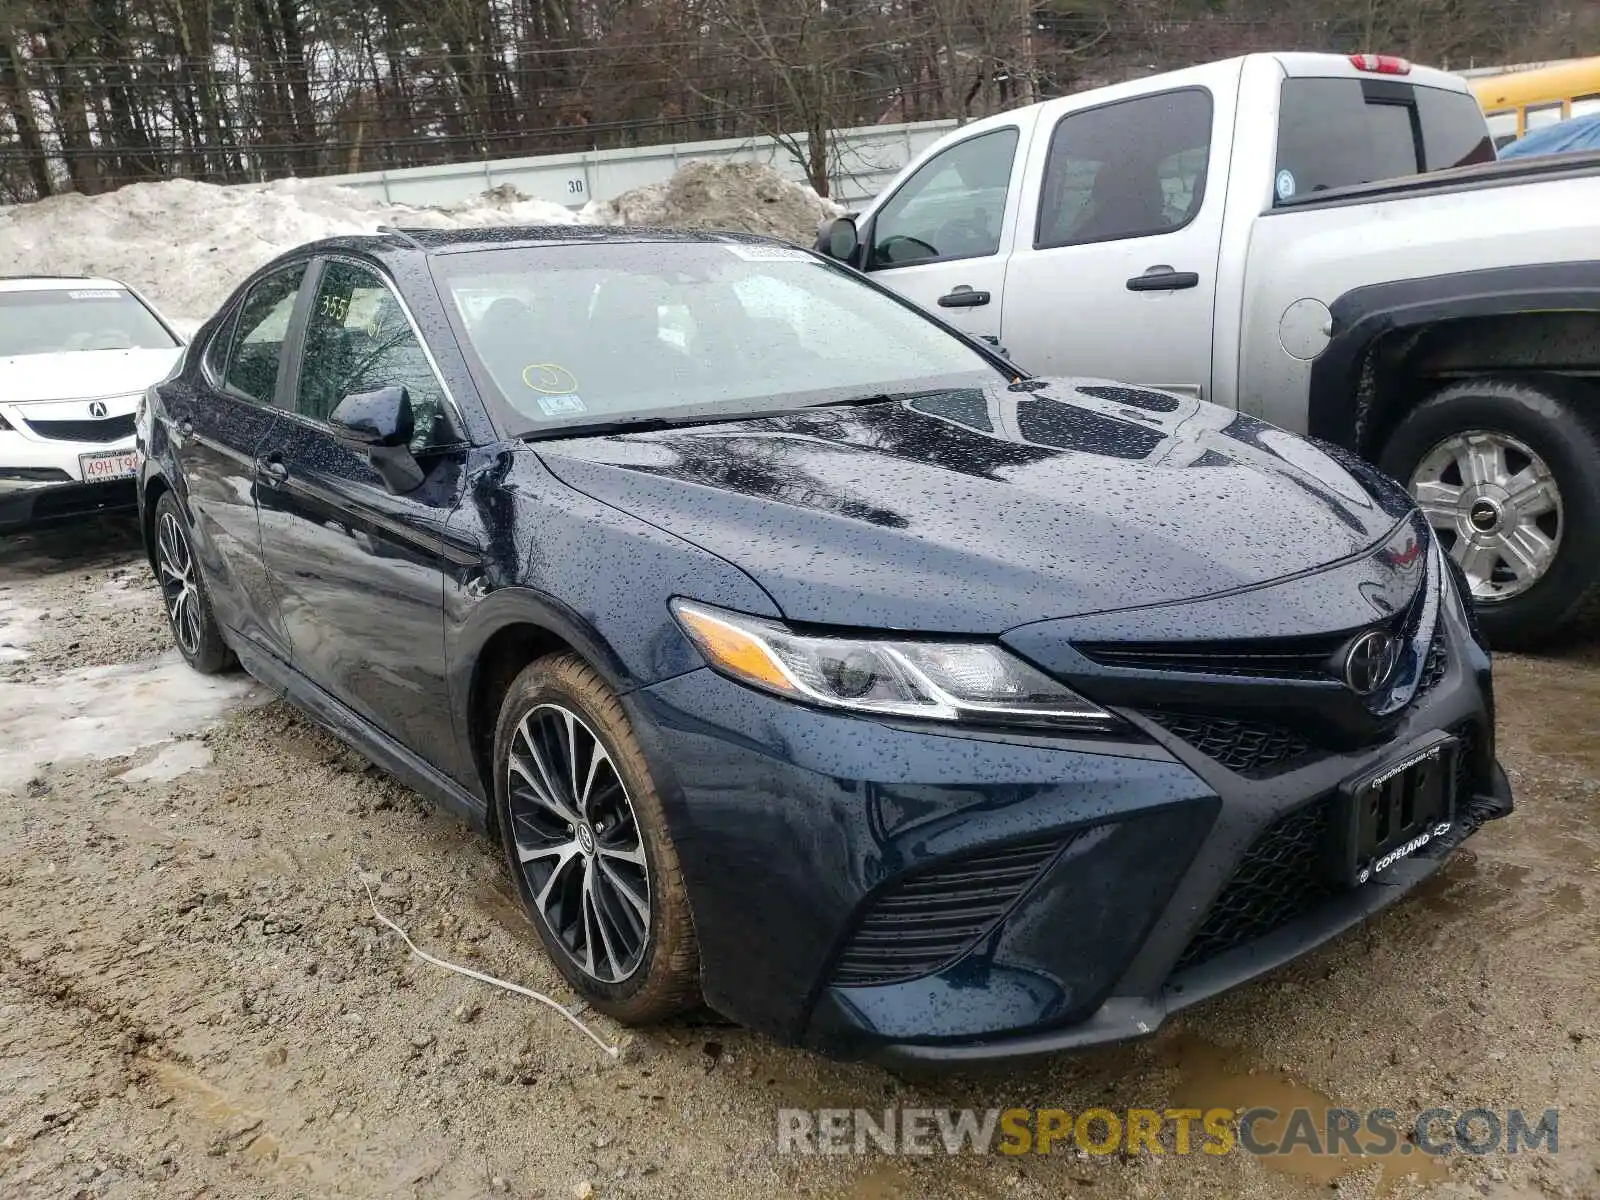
x=969 y=682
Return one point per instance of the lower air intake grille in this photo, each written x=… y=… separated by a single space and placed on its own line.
x=1279 y=878
x=1242 y=746
x=931 y=917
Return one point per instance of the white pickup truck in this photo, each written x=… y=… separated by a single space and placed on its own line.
x=1323 y=242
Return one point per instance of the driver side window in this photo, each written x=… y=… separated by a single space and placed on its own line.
x=952 y=207
x=358 y=340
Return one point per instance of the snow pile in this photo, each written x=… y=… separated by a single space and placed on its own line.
x=750 y=197
x=187 y=245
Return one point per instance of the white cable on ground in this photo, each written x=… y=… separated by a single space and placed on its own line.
x=613 y=1051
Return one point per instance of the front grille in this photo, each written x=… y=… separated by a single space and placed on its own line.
x=1282 y=875
x=1279 y=878
x=1246 y=747
x=931 y=917
x=1435 y=665
x=1287 y=658
x=110 y=429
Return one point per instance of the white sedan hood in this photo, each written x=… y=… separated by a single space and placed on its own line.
x=82 y=374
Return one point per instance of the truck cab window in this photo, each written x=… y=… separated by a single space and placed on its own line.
x=952 y=207
x=1129 y=169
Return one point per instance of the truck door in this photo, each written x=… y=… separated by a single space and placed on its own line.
x=940 y=238
x=1115 y=268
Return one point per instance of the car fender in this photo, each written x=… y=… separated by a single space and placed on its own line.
x=1337 y=409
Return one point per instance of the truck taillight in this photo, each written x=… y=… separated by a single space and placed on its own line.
x=1381 y=64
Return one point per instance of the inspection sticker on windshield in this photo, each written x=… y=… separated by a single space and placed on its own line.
x=767 y=253
x=561 y=406
x=96 y=294
x=1286 y=184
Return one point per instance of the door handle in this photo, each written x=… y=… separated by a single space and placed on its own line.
x=962 y=296
x=272 y=469
x=1163 y=279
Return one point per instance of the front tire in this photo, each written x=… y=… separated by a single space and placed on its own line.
x=586 y=841
x=183 y=592
x=1507 y=471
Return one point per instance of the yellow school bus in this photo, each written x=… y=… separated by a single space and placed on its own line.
x=1524 y=100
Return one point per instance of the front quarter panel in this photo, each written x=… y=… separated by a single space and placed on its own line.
x=525 y=549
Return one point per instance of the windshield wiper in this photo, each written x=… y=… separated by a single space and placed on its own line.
x=654 y=422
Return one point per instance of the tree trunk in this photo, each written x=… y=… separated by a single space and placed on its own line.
x=14 y=94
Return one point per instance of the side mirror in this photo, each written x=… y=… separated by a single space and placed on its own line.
x=839 y=239
x=382 y=424
x=382 y=418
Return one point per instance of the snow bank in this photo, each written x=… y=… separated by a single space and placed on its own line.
x=740 y=196
x=187 y=245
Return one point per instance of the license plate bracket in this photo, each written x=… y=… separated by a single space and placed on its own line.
x=1394 y=811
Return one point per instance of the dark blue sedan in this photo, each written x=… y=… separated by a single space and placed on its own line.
x=804 y=656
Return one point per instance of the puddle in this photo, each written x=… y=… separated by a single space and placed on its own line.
x=215 y=1107
x=106 y=712
x=177 y=759
x=1211 y=1077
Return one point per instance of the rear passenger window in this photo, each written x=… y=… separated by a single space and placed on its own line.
x=1130 y=169
x=262 y=325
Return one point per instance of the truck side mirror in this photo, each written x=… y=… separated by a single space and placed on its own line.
x=839 y=239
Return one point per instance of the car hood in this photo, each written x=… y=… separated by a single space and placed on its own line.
x=977 y=510
x=82 y=374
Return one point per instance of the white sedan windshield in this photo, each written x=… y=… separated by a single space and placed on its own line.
x=609 y=330
x=57 y=321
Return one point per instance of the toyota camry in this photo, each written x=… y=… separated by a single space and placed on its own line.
x=805 y=657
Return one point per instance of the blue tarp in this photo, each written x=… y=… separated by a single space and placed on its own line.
x=1564 y=137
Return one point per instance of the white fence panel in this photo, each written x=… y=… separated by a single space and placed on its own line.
x=865 y=160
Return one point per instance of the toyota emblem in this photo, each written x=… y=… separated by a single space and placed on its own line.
x=97 y=408
x=1370 y=661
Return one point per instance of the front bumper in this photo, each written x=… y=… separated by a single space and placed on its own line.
x=917 y=897
x=41 y=481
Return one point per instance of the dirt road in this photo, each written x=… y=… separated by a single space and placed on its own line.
x=195 y=998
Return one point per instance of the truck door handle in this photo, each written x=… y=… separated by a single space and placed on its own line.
x=272 y=469
x=1163 y=279
x=962 y=296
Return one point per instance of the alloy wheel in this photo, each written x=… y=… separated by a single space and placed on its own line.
x=577 y=842
x=175 y=565
x=1495 y=506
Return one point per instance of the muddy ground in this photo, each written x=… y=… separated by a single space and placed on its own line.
x=196 y=1001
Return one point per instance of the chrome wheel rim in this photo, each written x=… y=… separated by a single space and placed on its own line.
x=578 y=844
x=1495 y=506
x=175 y=568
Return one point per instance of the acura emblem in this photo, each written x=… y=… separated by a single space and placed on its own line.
x=97 y=408
x=1370 y=661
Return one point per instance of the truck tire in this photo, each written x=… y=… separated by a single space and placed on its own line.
x=1507 y=471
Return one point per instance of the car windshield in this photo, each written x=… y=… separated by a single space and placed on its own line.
x=57 y=321
x=604 y=332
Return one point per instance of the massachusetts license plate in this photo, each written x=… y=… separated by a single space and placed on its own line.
x=1397 y=810
x=108 y=464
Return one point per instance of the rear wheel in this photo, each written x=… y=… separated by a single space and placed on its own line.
x=586 y=841
x=183 y=592
x=1507 y=471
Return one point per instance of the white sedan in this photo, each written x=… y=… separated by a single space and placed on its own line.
x=75 y=357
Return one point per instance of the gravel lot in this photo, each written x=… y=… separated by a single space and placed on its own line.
x=195 y=999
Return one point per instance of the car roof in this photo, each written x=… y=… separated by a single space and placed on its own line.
x=507 y=237
x=57 y=283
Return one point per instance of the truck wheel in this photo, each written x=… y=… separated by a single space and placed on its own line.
x=1507 y=471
